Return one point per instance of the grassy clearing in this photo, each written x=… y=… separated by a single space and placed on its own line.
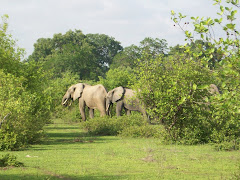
x=68 y=153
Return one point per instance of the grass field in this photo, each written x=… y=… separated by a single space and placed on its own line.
x=68 y=153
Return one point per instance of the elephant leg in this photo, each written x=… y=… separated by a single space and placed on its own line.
x=102 y=113
x=101 y=106
x=128 y=112
x=119 y=106
x=82 y=109
x=145 y=115
x=91 y=113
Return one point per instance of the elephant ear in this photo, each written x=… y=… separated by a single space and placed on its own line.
x=118 y=94
x=78 y=90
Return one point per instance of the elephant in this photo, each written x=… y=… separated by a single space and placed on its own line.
x=124 y=98
x=213 y=89
x=94 y=97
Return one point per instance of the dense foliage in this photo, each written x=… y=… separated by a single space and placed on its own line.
x=125 y=126
x=174 y=88
x=10 y=160
x=173 y=83
x=24 y=103
x=88 y=56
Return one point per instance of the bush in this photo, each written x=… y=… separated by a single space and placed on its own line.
x=228 y=145
x=121 y=76
x=10 y=160
x=25 y=103
x=112 y=126
x=144 y=131
x=23 y=114
x=174 y=91
x=219 y=121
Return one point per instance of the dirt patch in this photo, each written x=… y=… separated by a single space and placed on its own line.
x=149 y=158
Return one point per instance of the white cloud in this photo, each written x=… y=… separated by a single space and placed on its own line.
x=129 y=21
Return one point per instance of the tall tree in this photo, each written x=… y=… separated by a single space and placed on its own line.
x=105 y=48
x=88 y=56
x=154 y=47
x=128 y=57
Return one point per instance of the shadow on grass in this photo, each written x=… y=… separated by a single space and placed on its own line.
x=69 y=135
x=27 y=177
x=52 y=128
x=56 y=177
x=110 y=177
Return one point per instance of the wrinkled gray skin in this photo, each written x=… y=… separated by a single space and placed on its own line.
x=124 y=98
x=94 y=97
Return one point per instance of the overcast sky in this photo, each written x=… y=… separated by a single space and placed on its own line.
x=128 y=21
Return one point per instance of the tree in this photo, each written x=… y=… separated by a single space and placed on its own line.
x=88 y=56
x=105 y=48
x=10 y=54
x=154 y=47
x=129 y=56
x=121 y=76
x=196 y=51
x=24 y=101
x=175 y=91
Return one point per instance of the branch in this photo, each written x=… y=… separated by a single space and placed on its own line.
x=4 y=119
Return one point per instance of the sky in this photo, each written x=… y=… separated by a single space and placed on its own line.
x=128 y=21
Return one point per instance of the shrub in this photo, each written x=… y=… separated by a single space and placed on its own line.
x=10 y=160
x=25 y=103
x=121 y=76
x=112 y=126
x=228 y=145
x=144 y=131
x=173 y=90
x=219 y=121
x=23 y=114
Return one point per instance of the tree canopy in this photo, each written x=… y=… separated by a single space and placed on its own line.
x=89 y=55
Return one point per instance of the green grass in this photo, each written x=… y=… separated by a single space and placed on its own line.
x=68 y=153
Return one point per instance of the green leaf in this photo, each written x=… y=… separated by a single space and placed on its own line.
x=194 y=86
x=233 y=12
x=182 y=100
x=205 y=86
x=230 y=26
x=222 y=8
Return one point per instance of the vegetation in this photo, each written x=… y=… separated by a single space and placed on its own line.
x=172 y=83
x=24 y=102
x=10 y=160
x=193 y=134
x=125 y=126
x=70 y=153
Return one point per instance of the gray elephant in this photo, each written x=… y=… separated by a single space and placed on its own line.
x=213 y=89
x=94 y=97
x=124 y=98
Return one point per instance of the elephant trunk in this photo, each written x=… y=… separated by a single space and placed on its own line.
x=65 y=99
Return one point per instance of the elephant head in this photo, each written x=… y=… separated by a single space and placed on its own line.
x=114 y=96
x=73 y=93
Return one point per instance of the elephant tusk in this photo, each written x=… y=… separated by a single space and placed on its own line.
x=64 y=102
